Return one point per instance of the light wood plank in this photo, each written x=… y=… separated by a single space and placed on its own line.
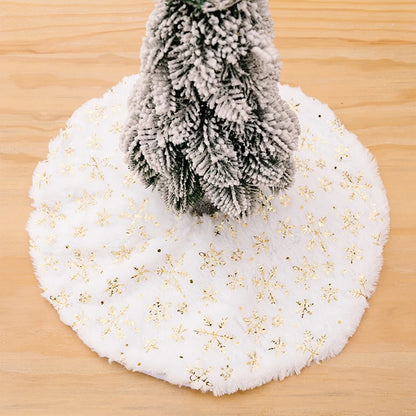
x=358 y=56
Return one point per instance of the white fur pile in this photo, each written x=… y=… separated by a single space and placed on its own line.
x=209 y=303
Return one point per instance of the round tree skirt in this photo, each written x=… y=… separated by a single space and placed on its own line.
x=208 y=302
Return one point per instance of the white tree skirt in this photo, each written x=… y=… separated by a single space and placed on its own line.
x=207 y=302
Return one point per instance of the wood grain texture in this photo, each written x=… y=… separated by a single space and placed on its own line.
x=359 y=56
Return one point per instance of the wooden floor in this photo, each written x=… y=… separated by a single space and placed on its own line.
x=359 y=56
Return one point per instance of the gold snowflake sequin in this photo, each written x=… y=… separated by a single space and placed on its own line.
x=356 y=185
x=311 y=345
x=304 y=308
x=315 y=228
x=361 y=290
x=79 y=231
x=178 y=333
x=226 y=372
x=325 y=184
x=223 y=223
x=212 y=259
x=140 y=274
x=216 y=335
x=329 y=293
x=81 y=320
x=261 y=242
x=353 y=253
x=158 y=311
x=94 y=142
x=235 y=280
x=52 y=214
x=61 y=301
x=50 y=262
x=306 y=193
x=237 y=255
x=97 y=113
x=172 y=272
x=83 y=264
x=208 y=296
x=113 y=321
x=266 y=284
x=84 y=297
x=306 y=272
x=286 y=228
x=253 y=361
x=278 y=346
x=255 y=325
x=123 y=254
x=284 y=200
x=266 y=206
x=198 y=376
x=103 y=218
x=303 y=166
x=86 y=200
x=352 y=221
x=114 y=287
x=151 y=344
x=41 y=179
x=341 y=152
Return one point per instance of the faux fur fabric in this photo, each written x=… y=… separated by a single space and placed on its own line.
x=207 y=302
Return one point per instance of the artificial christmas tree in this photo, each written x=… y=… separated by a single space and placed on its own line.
x=206 y=122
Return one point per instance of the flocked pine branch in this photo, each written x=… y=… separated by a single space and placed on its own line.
x=206 y=123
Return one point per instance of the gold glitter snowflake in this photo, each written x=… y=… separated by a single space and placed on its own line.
x=304 y=307
x=306 y=193
x=198 y=376
x=217 y=336
x=315 y=229
x=209 y=296
x=325 y=184
x=253 y=361
x=356 y=185
x=329 y=293
x=353 y=253
x=211 y=259
x=352 y=221
x=255 y=325
x=178 y=333
x=226 y=372
x=306 y=272
x=158 y=312
x=237 y=255
x=113 y=322
x=261 y=243
x=236 y=281
x=61 y=301
x=266 y=284
x=114 y=287
x=278 y=346
x=83 y=264
x=151 y=344
x=172 y=272
x=286 y=228
x=52 y=214
x=311 y=345
x=265 y=207
x=103 y=218
x=123 y=254
x=361 y=291
x=140 y=274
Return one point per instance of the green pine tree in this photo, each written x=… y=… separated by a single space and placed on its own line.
x=207 y=126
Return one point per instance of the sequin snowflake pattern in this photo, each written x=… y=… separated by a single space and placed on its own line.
x=207 y=302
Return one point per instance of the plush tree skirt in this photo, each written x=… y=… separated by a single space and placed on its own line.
x=208 y=302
